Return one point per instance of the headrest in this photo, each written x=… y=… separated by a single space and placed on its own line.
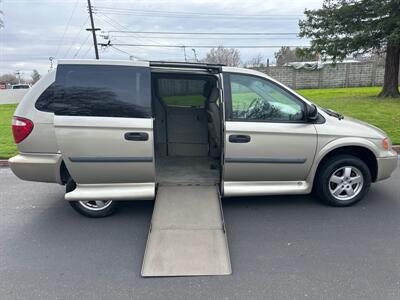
x=207 y=89
x=210 y=92
x=214 y=95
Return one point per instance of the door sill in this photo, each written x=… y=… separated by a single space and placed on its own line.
x=114 y=191
x=260 y=188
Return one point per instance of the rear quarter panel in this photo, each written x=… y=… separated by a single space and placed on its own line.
x=42 y=138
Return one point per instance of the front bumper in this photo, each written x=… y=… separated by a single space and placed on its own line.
x=36 y=167
x=386 y=165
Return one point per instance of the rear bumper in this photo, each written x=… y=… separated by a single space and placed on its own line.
x=37 y=167
x=386 y=165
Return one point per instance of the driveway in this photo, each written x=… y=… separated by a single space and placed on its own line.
x=288 y=247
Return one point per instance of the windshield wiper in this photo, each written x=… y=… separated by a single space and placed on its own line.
x=333 y=113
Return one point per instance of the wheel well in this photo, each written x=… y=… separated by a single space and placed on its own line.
x=366 y=155
x=64 y=174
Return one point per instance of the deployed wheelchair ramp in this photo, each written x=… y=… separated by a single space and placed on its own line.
x=187 y=233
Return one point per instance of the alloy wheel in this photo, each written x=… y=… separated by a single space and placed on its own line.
x=96 y=205
x=346 y=183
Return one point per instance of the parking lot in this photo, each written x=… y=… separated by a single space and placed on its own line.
x=288 y=247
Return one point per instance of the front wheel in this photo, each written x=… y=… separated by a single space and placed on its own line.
x=342 y=180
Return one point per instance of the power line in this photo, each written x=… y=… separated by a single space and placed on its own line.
x=183 y=14
x=208 y=38
x=203 y=46
x=76 y=37
x=88 y=50
x=120 y=25
x=103 y=19
x=191 y=13
x=66 y=27
x=205 y=33
x=112 y=22
x=186 y=17
x=122 y=51
x=81 y=46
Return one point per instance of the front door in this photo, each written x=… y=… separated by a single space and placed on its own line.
x=103 y=123
x=269 y=145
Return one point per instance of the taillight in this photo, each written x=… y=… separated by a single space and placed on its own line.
x=21 y=128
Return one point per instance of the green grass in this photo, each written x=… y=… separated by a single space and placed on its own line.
x=7 y=146
x=187 y=100
x=360 y=103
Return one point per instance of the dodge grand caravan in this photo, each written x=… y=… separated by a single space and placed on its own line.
x=117 y=130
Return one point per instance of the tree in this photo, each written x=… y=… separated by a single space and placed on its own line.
x=286 y=55
x=350 y=27
x=257 y=61
x=9 y=78
x=224 y=56
x=35 y=76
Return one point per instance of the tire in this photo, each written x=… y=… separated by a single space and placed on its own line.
x=342 y=180
x=91 y=209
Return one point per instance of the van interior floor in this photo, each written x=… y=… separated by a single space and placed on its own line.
x=187 y=170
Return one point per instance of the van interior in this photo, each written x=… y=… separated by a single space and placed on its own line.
x=187 y=128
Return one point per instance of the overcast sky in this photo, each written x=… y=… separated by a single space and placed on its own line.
x=35 y=30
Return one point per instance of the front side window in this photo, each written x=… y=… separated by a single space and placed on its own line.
x=103 y=91
x=257 y=99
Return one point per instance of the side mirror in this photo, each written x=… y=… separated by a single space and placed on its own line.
x=312 y=112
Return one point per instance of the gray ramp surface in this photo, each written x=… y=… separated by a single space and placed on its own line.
x=187 y=234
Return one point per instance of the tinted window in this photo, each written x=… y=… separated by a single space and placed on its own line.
x=104 y=91
x=46 y=99
x=257 y=99
x=21 y=86
x=182 y=92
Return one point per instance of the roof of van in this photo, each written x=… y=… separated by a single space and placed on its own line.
x=165 y=64
x=172 y=64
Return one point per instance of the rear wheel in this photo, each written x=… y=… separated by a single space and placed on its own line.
x=93 y=208
x=342 y=180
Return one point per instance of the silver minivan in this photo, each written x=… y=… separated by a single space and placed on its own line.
x=117 y=130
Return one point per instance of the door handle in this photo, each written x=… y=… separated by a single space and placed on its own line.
x=240 y=138
x=136 y=136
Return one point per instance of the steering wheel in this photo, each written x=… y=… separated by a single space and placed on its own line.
x=257 y=109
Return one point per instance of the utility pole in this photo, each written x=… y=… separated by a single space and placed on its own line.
x=93 y=30
x=195 y=55
x=184 y=53
x=18 y=73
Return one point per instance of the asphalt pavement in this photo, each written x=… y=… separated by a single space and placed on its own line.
x=288 y=247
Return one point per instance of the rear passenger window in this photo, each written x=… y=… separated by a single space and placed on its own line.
x=182 y=92
x=46 y=99
x=103 y=91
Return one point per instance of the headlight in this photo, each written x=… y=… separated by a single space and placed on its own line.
x=387 y=143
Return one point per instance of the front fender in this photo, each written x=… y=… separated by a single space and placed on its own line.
x=336 y=144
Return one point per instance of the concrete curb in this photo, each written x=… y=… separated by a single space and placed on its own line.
x=4 y=162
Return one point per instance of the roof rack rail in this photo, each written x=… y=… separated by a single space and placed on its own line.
x=192 y=65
